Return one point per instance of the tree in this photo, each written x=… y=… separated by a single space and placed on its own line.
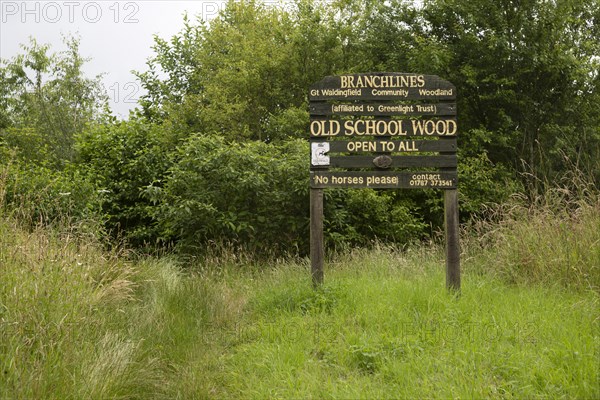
x=527 y=73
x=245 y=75
x=46 y=101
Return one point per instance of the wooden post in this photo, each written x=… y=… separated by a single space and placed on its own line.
x=316 y=236
x=452 y=245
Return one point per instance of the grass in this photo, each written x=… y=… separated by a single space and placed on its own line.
x=552 y=238
x=78 y=321
x=58 y=299
x=381 y=329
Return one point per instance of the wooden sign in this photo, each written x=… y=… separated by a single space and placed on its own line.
x=390 y=146
x=359 y=125
x=383 y=127
x=383 y=179
x=382 y=109
x=382 y=86
x=443 y=161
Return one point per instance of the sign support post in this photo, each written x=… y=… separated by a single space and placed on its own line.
x=452 y=244
x=317 y=252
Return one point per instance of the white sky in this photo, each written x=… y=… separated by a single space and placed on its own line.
x=116 y=35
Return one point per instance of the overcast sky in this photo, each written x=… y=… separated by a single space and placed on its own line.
x=116 y=35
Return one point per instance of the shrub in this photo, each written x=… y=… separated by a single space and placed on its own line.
x=36 y=194
x=362 y=216
x=124 y=159
x=254 y=194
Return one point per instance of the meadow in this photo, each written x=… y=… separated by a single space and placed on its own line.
x=79 y=320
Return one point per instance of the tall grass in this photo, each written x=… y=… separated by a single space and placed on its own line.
x=551 y=238
x=79 y=321
x=58 y=298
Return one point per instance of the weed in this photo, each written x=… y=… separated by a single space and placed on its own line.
x=553 y=239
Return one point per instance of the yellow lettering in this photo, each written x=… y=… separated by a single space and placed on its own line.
x=430 y=127
x=451 y=127
x=334 y=127
x=347 y=81
x=325 y=128
x=349 y=128
x=320 y=179
x=356 y=123
x=370 y=127
x=315 y=128
x=343 y=81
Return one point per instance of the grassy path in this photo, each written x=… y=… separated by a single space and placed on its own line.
x=382 y=328
x=77 y=322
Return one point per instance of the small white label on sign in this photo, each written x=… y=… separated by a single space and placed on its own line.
x=319 y=153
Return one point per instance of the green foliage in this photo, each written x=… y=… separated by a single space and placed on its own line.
x=525 y=79
x=244 y=76
x=254 y=194
x=27 y=143
x=178 y=173
x=528 y=74
x=124 y=159
x=40 y=195
x=481 y=182
x=362 y=216
x=207 y=190
x=46 y=101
